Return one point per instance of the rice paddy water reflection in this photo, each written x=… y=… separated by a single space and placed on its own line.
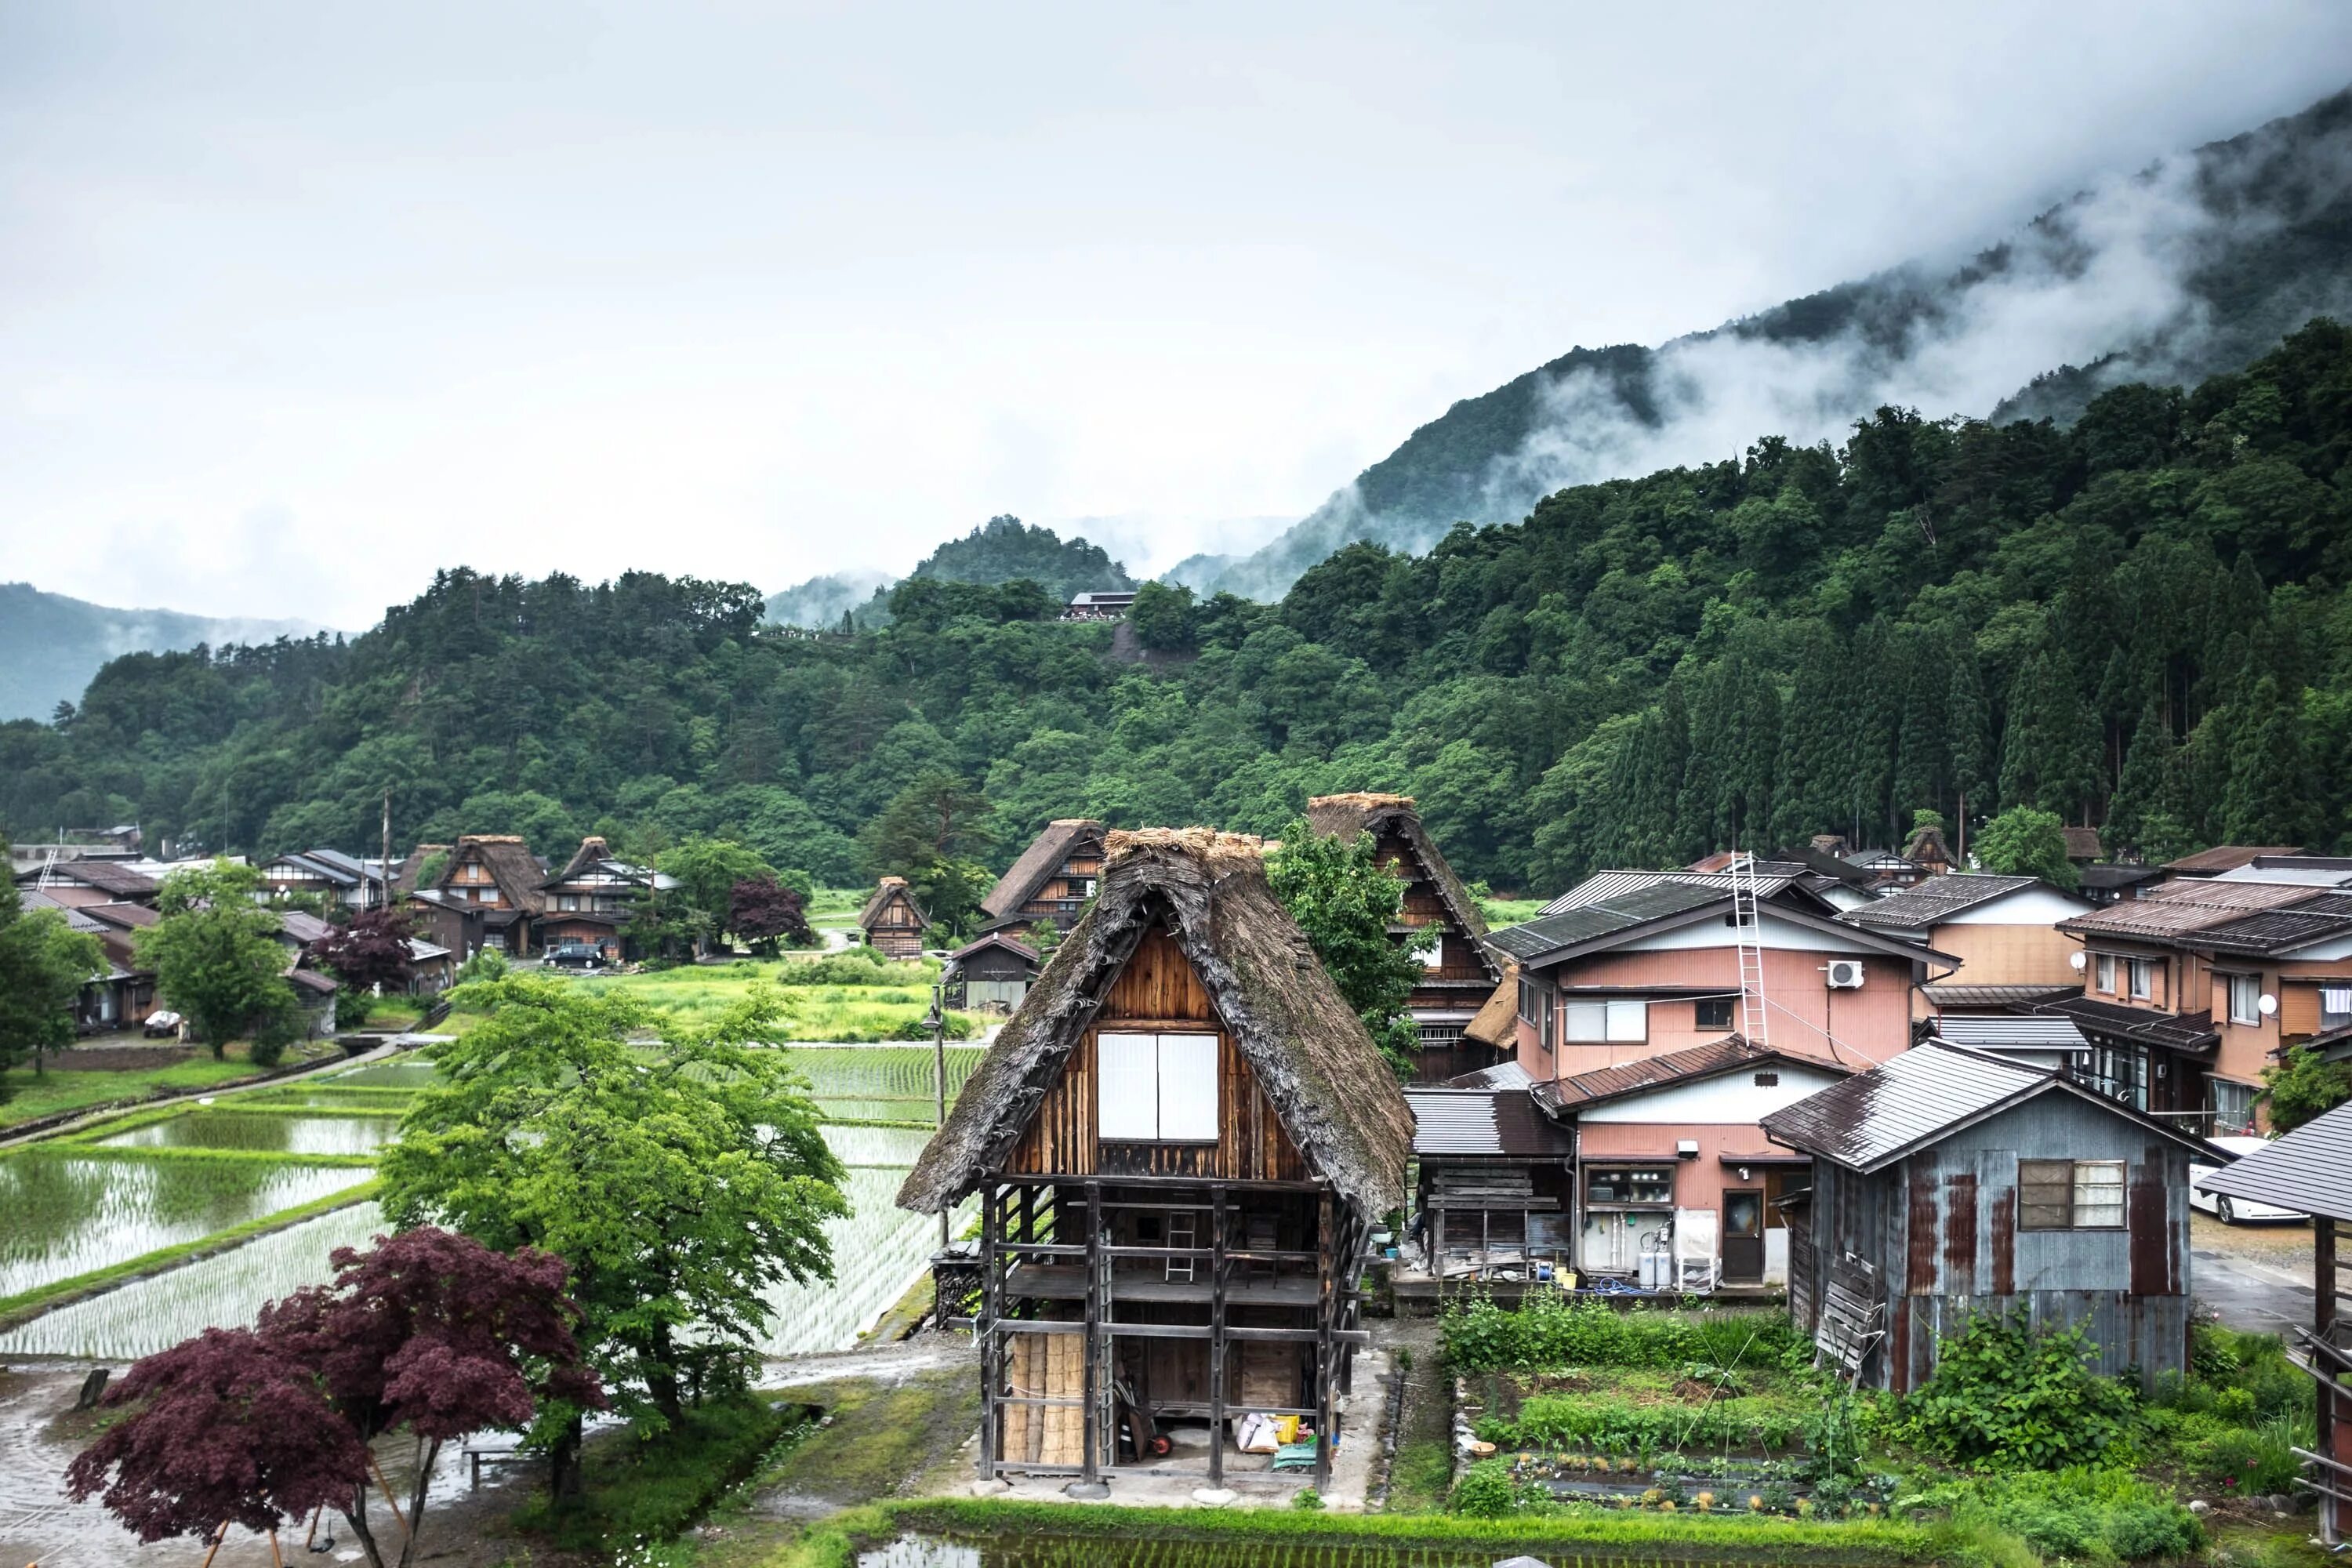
x=262 y=1130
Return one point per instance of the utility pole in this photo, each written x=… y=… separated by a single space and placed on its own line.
x=383 y=866
x=939 y=1023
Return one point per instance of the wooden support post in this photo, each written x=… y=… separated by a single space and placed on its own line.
x=1324 y=1435
x=1217 y=1337
x=1091 y=1388
x=986 y=1337
x=2323 y=1324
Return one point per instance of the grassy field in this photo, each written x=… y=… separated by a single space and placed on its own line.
x=835 y=908
x=72 y=1083
x=1510 y=911
x=897 y=999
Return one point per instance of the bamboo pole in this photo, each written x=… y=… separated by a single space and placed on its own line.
x=219 y=1536
x=390 y=1501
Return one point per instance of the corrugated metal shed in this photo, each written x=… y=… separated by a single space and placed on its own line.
x=1934 y=901
x=1500 y=1123
x=2309 y=1169
x=1932 y=1090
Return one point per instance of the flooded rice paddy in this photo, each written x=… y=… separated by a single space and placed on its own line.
x=1033 y=1551
x=69 y=1215
x=262 y=1131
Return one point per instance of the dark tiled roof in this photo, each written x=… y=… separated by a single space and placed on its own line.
x=122 y=915
x=998 y=939
x=1038 y=862
x=2116 y=875
x=2309 y=1169
x=302 y=926
x=312 y=980
x=1877 y=1118
x=1934 y=901
x=1586 y=921
x=2273 y=931
x=2227 y=857
x=1495 y=1121
x=1730 y=1054
x=104 y=875
x=2179 y=908
x=2186 y=1032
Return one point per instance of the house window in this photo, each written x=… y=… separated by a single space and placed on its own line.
x=2143 y=979
x=1428 y=947
x=1711 y=1013
x=2108 y=973
x=2233 y=1106
x=1610 y=1022
x=1768 y=1080
x=1156 y=1089
x=2335 y=1007
x=2070 y=1195
x=1642 y=1185
x=2245 y=998
x=567 y=900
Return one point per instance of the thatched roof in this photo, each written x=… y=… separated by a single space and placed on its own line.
x=1306 y=1048
x=511 y=862
x=1045 y=855
x=885 y=890
x=1498 y=1023
x=1345 y=815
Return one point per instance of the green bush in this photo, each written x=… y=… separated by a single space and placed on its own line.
x=1552 y=1330
x=2006 y=1393
x=2078 y=1513
x=647 y=1490
x=2256 y=1459
x=1617 y=1425
x=1485 y=1491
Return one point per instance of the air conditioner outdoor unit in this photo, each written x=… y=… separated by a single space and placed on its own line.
x=1845 y=973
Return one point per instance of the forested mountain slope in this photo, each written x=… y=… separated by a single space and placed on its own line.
x=50 y=645
x=2141 y=619
x=2187 y=268
x=1003 y=550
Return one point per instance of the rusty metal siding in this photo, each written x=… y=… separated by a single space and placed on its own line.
x=1942 y=1228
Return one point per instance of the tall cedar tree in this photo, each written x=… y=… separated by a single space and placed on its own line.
x=680 y=1181
x=1346 y=900
x=44 y=965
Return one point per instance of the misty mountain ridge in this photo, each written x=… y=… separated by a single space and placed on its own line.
x=2190 y=266
x=1001 y=550
x=50 y=645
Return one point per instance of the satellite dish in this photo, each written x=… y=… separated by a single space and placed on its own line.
x=2266 y=1004
x=2078 y=958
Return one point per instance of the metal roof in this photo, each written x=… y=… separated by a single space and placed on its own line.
x=2119 y=874
x=2178 y=1032
x=1958 y=995
x=2309 y=1169
x=1492 y=1123
x=2273 y=931
x=2177 y=908
x=2225 y=857
x=1874 y=1119
x=2010 y=1031
x=1502 y=1075
x=1602 y=886
x=1733 y=1053
x=1637 y=906
x=1928 y=903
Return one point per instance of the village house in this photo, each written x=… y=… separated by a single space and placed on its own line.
x=2309 y=1171
x=124 y=994
x=1441 y=925
x=993 y=972
x=1053 y=878
x=1180 y=1145
x=1662 y=1014
x=88 y=881
x=893 y=922
x=2001 y=928
x=497 y=876
x=590 y=902
x=346 y=879
x=2191 y=992
x=448 y=923
x=1945 y=1181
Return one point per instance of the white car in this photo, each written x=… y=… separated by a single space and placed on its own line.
x=2222 y=1206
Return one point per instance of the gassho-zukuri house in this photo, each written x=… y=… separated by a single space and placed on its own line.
x=1180 y=1143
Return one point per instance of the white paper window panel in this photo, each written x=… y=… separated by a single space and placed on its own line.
x=1187 y=1088
x=1629 y=1021
x=1586 y=1021
x=1127 y=1088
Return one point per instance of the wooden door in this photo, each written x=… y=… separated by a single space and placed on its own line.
x=1743 y=1236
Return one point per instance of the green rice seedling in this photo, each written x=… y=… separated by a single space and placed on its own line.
x=259 y=1131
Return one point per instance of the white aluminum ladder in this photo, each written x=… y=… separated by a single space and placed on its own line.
x=1747 y=930
x=1181 y=1233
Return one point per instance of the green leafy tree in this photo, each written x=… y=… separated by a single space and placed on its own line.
x=2024 y=842
x=44 y=965
x=932 y=833
x=217 y=955
x=706 y=871
x=2304 y=1084
x=680 y=1181
x=1345 y=901
x=1162 y=617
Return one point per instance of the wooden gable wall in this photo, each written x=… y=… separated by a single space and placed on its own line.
x=1158 y=991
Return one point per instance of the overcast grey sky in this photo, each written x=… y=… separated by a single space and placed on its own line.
x=300 y=302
